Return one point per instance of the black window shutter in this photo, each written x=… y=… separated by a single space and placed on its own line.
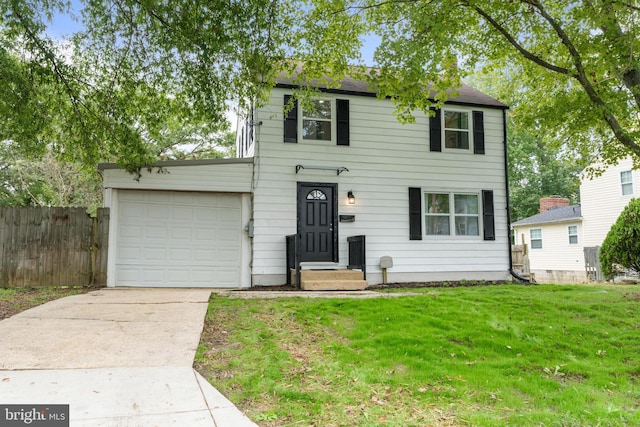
x=291 y=121
x=478 y=132
x=488 y=219
x=435 y=131
x=342 y=114
x=415 y=213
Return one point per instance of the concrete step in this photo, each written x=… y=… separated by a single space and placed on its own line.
x=325 y=280
x=334 y=285
x=341 y=274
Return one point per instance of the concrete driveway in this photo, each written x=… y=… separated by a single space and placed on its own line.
x=118 y=357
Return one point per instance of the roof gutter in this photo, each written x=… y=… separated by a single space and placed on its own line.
x=506 y=185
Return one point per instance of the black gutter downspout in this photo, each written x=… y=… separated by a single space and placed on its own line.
x=506 y=182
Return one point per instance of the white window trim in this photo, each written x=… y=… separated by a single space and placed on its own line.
x=452 y=215
x=626 y=183
x=576 y=234
x=334 y=122
x=444 y=130
x=531 y=239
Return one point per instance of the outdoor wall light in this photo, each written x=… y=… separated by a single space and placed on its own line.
x=351 y=197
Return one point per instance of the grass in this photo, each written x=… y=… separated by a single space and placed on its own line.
x=484 y=356
x=15 y=300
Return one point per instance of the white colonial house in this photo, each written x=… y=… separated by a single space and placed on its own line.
x=563 y=242
x=342 y=186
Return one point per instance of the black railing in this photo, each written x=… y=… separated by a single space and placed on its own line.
x=357 y=254
x=293 y=258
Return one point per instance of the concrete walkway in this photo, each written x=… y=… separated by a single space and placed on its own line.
x=118 y=357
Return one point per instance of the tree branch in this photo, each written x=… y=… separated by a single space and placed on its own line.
x=630 y=76
x=581 y=76
x=511 y=39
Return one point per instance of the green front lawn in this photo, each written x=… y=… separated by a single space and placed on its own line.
x=483 y=356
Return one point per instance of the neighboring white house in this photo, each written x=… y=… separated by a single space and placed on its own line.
x=603 y=199
x=554 y=239
x=557 y=238
x=431 y=195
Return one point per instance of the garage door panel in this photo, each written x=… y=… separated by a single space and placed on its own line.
x=205 y=255
x=224 y=258
x=157 y=254
x=178 y=239
x=127 y=276
x=131 y=232
x=227 y=277
x=205 y=235
x=180 y=233
x=128 y=253
x=179 y=255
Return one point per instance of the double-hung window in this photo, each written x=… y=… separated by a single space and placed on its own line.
x=456 y=129
x=451 y=214
x=626 y=180
x=573 y=234
x=317 y=122
x=536 y=238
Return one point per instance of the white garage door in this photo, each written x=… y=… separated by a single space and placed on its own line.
x=178 y=239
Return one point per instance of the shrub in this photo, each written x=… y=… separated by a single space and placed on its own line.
x=621 y=248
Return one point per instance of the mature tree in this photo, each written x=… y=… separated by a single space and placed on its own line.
x=142 y=63
x=621 y=248
x=580 y=58
x=108 y=92
x=537 y=167
x=46 y=181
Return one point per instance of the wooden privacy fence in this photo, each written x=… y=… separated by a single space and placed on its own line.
x=52 y=247
x=592 y=264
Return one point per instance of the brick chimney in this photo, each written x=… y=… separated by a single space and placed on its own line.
x=547 y=203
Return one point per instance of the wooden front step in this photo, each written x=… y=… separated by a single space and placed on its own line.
x=330 y=280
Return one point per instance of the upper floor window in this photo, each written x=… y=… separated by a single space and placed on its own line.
x=317 y=122
x=573 y=234
x=536 y=238
x=456 y=129
x=462 y=131
x=325 y=120
x=626 y=180
x=449 y=214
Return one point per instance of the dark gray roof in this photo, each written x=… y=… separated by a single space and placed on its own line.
x=558 y=214
x=348 y=86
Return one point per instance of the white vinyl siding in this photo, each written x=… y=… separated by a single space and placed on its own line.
x=384 y=159
x=558 y=260
x=602 y=201
x=222 y=175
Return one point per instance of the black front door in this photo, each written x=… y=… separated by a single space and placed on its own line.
x=317 y=226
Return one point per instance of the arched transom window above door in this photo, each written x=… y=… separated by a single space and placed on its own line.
x=316 y=195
